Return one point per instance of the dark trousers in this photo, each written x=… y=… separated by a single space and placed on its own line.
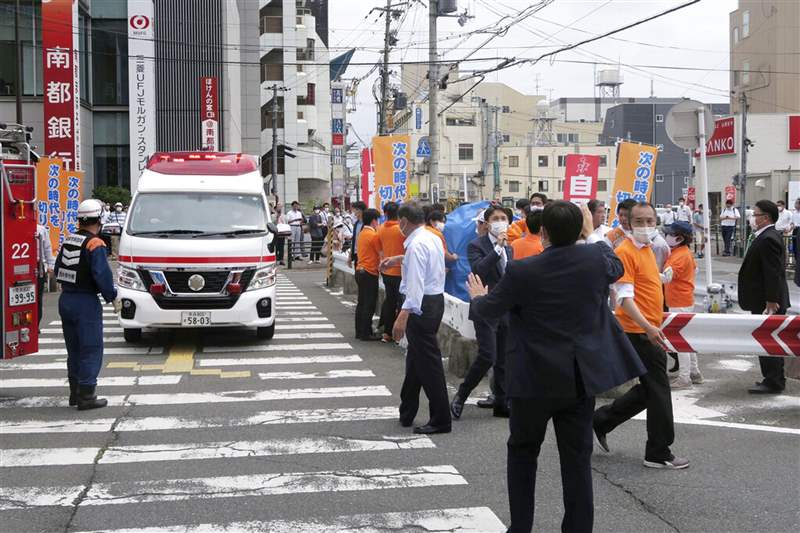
x=796 y=241
x=391 y=302
x=651 y=393
x=367 y=300
x=316 y=247
x=572 y=420
x=772 y=367
x=491 y=337
x=280 y=244
x=424 y=365
x=40 y=283
x=727 y=237
x=82 y=324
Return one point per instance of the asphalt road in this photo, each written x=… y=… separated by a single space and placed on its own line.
x=300 y=434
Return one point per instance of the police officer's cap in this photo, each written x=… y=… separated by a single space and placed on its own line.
x=90 y=208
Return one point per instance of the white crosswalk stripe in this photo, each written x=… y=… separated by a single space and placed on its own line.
x=292 y=360
x=277 y=347
x=281 y=327
x=59 y=331
x=128 y=350
x=298 y=335
x=106 y=340
x=114 y=381
x=330 y=374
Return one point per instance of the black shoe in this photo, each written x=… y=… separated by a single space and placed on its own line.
x=676 y=364
x=73 y=392
x=406 y=423
x=431 y=430
x=600 y=438
x=501 y=411
x=488 y=403
x=457 y=406
x=762 y=388
x=87 y=398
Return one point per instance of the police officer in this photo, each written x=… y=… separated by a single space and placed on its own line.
x=82 y=270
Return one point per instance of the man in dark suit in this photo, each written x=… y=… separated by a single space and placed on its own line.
x=568 y=349
x=488 y=256
x=762 y=286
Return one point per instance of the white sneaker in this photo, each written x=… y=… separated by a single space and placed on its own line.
x=696 y=377
x=676 y=463
x=680 y=383
x=311 y=262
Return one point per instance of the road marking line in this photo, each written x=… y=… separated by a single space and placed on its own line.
x=235 y=374
x=113 y=381
x=282 y=327
x=180 y=359
x=330 y=374
x=289 y=360
x=127 y=350
x=279 y=307
x=187 y=398
x=462 y=520
x=283 y=319
x=164 y=490
x=36 y=457
x=277 y=347
x=106 y=340
x=59 y=331
x=105 y=323
x=301 y=313
x=291 y=336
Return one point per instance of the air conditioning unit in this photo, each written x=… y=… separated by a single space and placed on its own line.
x=423 y=196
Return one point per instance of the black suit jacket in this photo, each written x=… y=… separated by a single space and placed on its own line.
x=485 y=263
x=560 y=321
x=762 y=276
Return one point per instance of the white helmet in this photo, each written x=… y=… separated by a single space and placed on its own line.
x=90 y=208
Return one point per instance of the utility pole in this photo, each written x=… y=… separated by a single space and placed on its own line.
x=385 y=71
x=274 y=112
x=18 y=88
x=433 y=95
x=495 y=138
x=743 y=173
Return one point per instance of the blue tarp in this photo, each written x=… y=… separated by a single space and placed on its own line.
x=458 y=232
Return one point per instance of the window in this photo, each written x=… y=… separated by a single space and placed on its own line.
x=543 y=186
x=309 y=98
x=272 y=66
x=513 y=161
x=266 y=162
x=659 y=178
x=602 y=185
x=271 y=18
x=506 y=138
x=686 y=180
x=465 y=152
x=112 y=165
x=460 y=121
x=603 y=161
x=735 y=34
x=659 y=118
x=745 y=24
x=560 y=185
x=300 y=115
x=567 y=138
x=745 y=72
x=506 y=109
x=543 y=161
x=307 y=53
x=513 y=186
x=110 y=62
x=562 y=160
x=266 y=114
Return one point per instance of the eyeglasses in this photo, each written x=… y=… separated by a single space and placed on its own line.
x=756 y=215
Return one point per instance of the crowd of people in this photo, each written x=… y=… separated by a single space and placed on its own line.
x=564 y=307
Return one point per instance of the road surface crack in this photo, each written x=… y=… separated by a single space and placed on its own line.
x=642 y=503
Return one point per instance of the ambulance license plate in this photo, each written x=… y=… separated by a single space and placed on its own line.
x=195 y=319
x=22 y=295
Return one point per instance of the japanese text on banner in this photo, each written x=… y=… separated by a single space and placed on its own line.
x=392 y=169
x=58 y=197
x=581 y=178
x=636 y=166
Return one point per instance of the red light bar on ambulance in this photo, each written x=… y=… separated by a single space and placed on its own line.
x=203 y=163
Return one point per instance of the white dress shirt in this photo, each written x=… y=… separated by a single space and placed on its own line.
x=796 y=218
x=684 y=213
x=423 y=269
x=294 y=218
x=668 y=217
x=730 y=212
x=784 y=221
x=762 y=230
x=501 y=251
x=44 y=251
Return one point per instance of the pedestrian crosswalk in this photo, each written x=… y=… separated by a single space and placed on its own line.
x=285 y=449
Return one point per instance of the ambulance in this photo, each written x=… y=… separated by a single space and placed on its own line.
x=197 y=248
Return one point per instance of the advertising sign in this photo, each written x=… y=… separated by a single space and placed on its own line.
x=367 y=175
x=209 y=114
x=392 y=168
x=141 y=85
x=580 y=183
x=636 y=165
x=794 y=132
x=337 y=131
x=418 y=118
x=730 y=193
x=691 y=197
x=723 y=141
x=61 y=76
x=57 y=199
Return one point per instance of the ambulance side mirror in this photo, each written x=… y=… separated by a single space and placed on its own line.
x=272 y=228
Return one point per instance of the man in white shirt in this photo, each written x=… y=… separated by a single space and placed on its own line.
x=669 y=216
x=784 y=223
x=598 y=211
x=422 y=286
x=45 y=263
x=727 y=220
x=684 y=212
x=295 y=220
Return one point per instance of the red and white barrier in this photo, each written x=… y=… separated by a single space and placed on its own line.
x=777 y=335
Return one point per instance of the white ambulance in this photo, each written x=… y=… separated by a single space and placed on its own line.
x=197 y=247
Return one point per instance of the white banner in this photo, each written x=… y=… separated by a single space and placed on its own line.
x=141 y=85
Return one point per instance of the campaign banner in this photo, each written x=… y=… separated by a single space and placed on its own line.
x=141 y=86
x=367 y=176
x=209 y=114
x=57 y=199
x=61 y=76
x=691 y=197
x=730 y=193
x=636 y=165
x=794 y=133
x=722 y=142
x=392 y=164
x=580 y=182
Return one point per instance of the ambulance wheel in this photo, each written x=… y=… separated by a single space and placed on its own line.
x=132 y=335
x=265 y=333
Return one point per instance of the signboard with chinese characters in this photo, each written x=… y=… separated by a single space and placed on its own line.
x=209 y=114
x=61 y=76
x=337 y=131
x=636 y=165
x=580 y=184
x=730 y=193
x=367 y=175
x=141 y=85
x=391 y=160
x=691 y=197
x=57 y=199
x=723 y=141
x=794 y=132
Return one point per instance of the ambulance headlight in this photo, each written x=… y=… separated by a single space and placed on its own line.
x=263 y=278
x=129 y=278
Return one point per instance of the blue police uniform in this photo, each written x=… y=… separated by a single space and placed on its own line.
x=82 y=270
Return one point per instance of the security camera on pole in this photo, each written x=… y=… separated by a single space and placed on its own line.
x=689 y=124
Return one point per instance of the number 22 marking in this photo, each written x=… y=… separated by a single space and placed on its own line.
x=20 y=250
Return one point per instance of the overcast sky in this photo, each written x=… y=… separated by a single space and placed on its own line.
x=695 y=37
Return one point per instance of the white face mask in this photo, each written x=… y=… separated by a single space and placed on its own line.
x=498 y=227
x=536 y=208
x=118 y=209
x=780 y=208
x=440 y=226
x=644 y=235
x=673 y=241
x=752 y=221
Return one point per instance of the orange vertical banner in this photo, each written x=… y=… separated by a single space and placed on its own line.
x=57 y=199
x=636 y=168
x=392 y=162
